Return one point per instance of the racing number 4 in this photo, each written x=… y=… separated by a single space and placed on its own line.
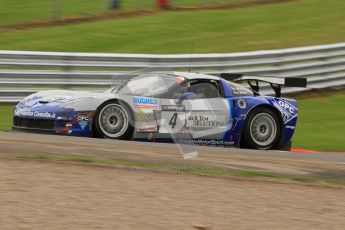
x=173 y=120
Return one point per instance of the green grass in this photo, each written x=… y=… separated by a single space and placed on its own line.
x=300 y=23
x=14 y=11
x=253 y=174
x=29 y=10
x=321 y=123
x=6 y=117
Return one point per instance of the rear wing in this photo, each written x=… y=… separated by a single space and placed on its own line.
x=275 y=82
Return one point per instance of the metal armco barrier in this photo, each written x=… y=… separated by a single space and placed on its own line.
x=25 y=72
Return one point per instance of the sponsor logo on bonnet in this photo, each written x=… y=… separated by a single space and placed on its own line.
x=28 y=113
x=145 y=102
x=173 y=107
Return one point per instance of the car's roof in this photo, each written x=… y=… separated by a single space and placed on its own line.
x=196 y=76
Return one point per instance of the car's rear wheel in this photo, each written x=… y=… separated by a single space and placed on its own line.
x=262 y=129
x=113 y=120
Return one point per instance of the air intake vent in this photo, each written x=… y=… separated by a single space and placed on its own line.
x=33 y=123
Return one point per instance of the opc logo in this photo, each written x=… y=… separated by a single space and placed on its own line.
x=82 y=118
x=287 y=106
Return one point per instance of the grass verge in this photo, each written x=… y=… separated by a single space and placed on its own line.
x=206 y=171
x=6 y=117
x=321 y=122
x=213 y=31
x=32 y=10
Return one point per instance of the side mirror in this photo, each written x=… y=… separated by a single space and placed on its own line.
x=187 y=96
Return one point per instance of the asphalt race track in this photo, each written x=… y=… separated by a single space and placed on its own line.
x=324 y=165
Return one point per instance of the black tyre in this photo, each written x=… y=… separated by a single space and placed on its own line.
x=262 y=129
x=113 y=120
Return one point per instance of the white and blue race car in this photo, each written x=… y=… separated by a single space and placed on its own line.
x=169 y=107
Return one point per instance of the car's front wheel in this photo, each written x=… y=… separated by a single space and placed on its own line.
x=113 y=120
x=262 y=129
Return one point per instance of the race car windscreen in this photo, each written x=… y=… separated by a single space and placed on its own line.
x=150 y=85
